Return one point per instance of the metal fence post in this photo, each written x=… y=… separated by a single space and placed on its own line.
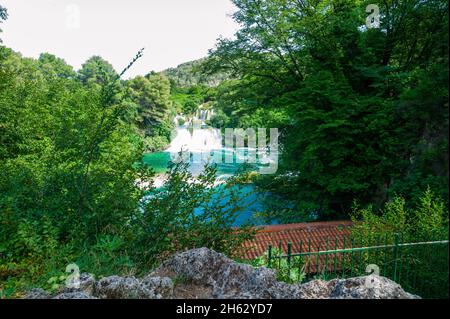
x=289 y=251
x=396 y=243
x=269 y=262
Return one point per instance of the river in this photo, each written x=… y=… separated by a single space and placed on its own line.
x=203 y=140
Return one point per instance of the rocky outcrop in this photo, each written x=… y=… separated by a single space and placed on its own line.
x=227 y=278
x=217 y=276
x=37 y=293
x=354 y=288
x=87 y=283
x=74 y=295
x=116 y=287
x=232 y=280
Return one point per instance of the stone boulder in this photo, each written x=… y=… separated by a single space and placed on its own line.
x=229 y=279
x=368 y=287
x=74 y=295
x=156 y=287
x=115 y=287
x=37 y=293
x=202 y=265
x=365 y=287
x=87 y=283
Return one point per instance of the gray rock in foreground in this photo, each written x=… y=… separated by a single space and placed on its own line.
x=354 y=288
x=225 y=279
x=116 y=287
x=232 y=280
x=37 y=293
x=74 y=295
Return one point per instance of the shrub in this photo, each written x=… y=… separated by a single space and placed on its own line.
x=181 y=121
x=423 y=269
x=189 y=213
x=428 y=218
x=219 y=120
x=290 y=273
x=155 y=143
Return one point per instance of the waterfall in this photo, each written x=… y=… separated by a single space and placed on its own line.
x=195 y=140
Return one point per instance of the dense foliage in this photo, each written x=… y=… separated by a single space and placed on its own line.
x=421 y=269
x=3 y=16
x=426 y=218
x=191 y=74
x=66 y=163
x=363 y=112
x=187 y=100
x=72 y=181
x=150 y=96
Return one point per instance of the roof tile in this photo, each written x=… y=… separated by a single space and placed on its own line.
x=303 y=236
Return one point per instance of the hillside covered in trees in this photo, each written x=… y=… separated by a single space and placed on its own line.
x=191 y=74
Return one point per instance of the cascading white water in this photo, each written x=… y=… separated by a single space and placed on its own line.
x=196 y=144
x=202 y=145
x=195 y=140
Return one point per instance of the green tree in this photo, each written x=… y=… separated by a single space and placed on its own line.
x=67 y=162
x=155 y=110
x=3 y=16
x=190 y=107
x=53 y=66
x=97 y=70
x=363 y=112
x=201 y=216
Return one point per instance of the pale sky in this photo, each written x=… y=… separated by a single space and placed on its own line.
x=172 y=31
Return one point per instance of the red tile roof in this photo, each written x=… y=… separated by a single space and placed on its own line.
x=304 y=237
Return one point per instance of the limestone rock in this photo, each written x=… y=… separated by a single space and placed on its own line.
x=74 y=295
x=37 y=293
x=115 y=287
x=368 y=287
x=213 y=275
x=229 y=279
x=87 y=283
x=200 y=265
x=156 y=288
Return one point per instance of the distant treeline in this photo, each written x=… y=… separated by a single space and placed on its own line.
x=191 y=74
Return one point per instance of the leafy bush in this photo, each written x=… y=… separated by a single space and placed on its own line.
x=219 y=120
x=69 y=161
x=290 y=273
x=181 y=121
x=419 y=269
x=428 y=218
x=155 y=143
x=189 y=213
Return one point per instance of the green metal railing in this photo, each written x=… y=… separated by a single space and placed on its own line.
x=420 y=266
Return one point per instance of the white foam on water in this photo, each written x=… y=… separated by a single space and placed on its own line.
x=197 y=140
